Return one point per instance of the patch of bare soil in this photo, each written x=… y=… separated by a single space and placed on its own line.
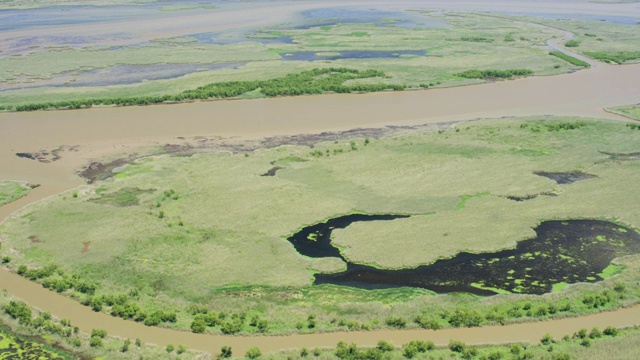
x=47 y=156
x=95 y=171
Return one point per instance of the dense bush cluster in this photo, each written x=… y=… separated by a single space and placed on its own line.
x=54 y=278
x=494 y=74
x=556 y=126
x=227 y=323
x=314 y=81
x=19 y=311
x=618 y=58
x=476 y=39
x=572 y=43
x=569 y=59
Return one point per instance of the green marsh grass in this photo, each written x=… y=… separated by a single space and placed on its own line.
x=630 y=111
x=12 y=190
x=569 y=59
x=447 y=55
x=222 y=228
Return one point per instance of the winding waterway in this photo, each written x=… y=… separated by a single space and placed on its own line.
x=108 y=131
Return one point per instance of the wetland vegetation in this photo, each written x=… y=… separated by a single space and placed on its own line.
x=454 y=184
x=12 y=190
x=539 y=212
x=315 y=81
x=400 y=49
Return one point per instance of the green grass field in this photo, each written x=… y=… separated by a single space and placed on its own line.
x=12 y=190
x=450 y=51
x=606 y=41
x=631 y=111
x=169 y=232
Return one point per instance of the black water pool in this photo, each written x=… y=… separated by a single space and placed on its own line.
x=563 y=251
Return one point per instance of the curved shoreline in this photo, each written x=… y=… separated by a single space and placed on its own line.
x=529 y=332
x=107 y=131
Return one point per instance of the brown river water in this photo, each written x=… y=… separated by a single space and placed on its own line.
x=101 y=132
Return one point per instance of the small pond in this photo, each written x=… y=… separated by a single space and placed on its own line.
x=352 y=54
x=562 y=252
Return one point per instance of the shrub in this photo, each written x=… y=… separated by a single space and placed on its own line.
x=169 y=348
x=396 y=322
x=19 y=310
x=99 y=333
x=595 y=333
x=546 y=339
x=95 y=341
x=572 y=43
x=494 y=74
x=385 y=346
x=253 y=353
x=457 y=346
x=610 y=331
x=225 y=352
x=569 y=59
x=198 y=326
x=181 y=349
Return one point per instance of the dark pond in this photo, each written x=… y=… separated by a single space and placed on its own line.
x=566 y=177
x=563 y=251
x=351 y=54
x=315 y=240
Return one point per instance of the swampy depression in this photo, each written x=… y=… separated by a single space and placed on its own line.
x=563 y=252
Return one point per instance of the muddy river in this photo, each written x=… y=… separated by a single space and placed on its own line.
x=104 y=132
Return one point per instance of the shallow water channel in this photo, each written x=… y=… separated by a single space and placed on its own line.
x=562 y=252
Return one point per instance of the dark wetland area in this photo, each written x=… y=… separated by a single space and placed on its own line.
x=562 y=252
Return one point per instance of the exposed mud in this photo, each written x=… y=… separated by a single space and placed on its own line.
x=47 y=156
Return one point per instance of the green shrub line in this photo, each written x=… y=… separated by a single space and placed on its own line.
x=494 y=74
x=315 y=81
x=569 y=59
x=618 y=58
x=204 y=320
x=572 y=43
x=68 y=337
x=547 y=348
